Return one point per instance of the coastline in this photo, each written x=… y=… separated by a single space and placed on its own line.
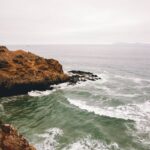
x=21 y=72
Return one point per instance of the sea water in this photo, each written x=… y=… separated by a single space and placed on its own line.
x=108 y=114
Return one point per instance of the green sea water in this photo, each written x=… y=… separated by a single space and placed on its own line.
x=109 y=114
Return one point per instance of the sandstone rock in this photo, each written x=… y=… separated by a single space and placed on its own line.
x=3 y=49
x=22 y=71
x=10 y=139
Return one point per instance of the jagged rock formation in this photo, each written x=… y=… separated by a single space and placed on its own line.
x=10 y=139
x=81 y=76
x=22 y=71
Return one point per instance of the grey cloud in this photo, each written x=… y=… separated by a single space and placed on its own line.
x=74 y=21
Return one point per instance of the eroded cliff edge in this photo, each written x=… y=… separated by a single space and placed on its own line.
x=10 y=139
x=22 y=71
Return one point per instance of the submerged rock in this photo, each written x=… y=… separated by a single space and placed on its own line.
x=22 y=71
x=10 y=139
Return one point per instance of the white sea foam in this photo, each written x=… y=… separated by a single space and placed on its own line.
x=116 y=93
x=65 y=85
x=51 y=136
x=61 y=86
x=40 y=93
x=50 y=139
x=104 y=77
x=2 y=112
x=143 y=86
x=140 y=113
x=1 y=108
x=88 y=144
x=134 y=79
x=47 y=92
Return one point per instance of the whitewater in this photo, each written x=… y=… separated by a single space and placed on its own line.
x=108 y=114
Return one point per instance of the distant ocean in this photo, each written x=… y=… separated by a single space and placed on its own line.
x=109 y=114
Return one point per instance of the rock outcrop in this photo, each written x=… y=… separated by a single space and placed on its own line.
x=22 y=71
x=10 y=139
x=76 y=76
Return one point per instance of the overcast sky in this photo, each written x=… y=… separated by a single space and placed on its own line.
x=74 y=21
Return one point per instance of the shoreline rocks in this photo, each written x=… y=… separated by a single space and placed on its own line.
x=81 y=76
x=22 y=71
x=10 y=139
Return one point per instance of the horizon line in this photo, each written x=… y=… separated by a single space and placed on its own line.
x=117 y=43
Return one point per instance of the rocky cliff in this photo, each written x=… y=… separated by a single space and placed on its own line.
x=10 y=139
x=22 y=71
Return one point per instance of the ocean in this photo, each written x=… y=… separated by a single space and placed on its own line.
x=108 y=114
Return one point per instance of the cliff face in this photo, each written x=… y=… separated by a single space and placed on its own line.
x=10 y=139
x=22 y=71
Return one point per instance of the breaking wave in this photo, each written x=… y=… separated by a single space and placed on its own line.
x=140 y=113
x=50 y=139
x=88 y=144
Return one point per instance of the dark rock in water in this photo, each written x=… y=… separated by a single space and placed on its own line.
x=10 y=139
x=77 y=76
